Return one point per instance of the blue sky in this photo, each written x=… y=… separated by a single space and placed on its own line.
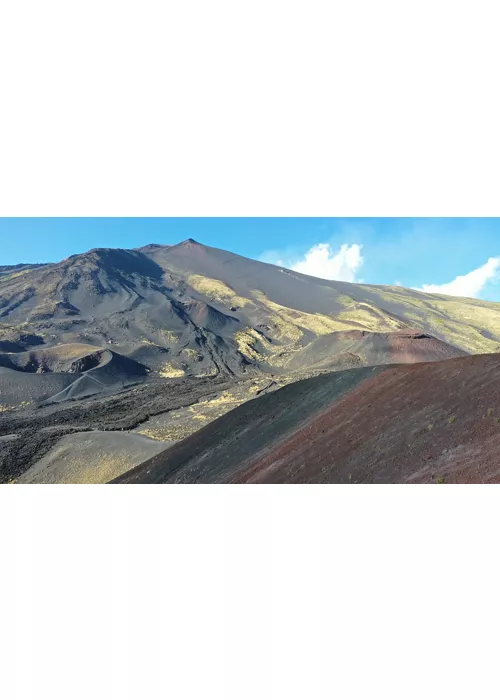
x=462 y=254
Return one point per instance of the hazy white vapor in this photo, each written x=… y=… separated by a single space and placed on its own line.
x=469 y=285
x=329 y=264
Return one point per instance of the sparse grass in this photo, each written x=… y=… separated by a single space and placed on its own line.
x=370 y=318
x=292 y=322
x=452 y=419
x=460 y=321
x=247 y=339
x=430 y=426
x=168 y=371
x=209 y=372
x=440 y=480
x=70 y=351
x=217 y=290
x=178 y=424
x=170 y=336
x=490 y=412
x=13 y=275
x=192 y=354
x=345 y=300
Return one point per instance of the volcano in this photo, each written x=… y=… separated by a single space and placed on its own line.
x=192 y=320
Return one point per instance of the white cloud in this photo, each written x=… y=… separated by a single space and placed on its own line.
x=469 y=285
x=323 y=261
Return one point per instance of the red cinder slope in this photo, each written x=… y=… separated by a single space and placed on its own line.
x=431 y=422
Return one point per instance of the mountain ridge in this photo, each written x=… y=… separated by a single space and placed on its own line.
x=179 y=298
x=162 y=340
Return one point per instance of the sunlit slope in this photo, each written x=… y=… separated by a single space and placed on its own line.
x=193 y=310
x=298 y=306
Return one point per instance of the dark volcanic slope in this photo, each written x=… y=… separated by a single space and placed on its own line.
x=85 y=330
x=213 y=453
x=26 y=435
x=428 y=422
x=64 y=372
x=121 y=298
x=192 y=310
x=19 y=388
x=469 y=324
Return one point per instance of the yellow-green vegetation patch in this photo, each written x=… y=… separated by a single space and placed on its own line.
x=70 y=351
x=169 y=433
x=217 y=290
x=284 y=330
x=13 y=275
x=23 y=404
x=280 y=358
x=246 y=340
x=227 y=397
x=371 y=318
x=345 y=300
x=208 y=372
x=170 y=336
x=92 y=457
x=461 y=321
x=320 y=324
x=292 y=322
x=169 y=371
x=461 y=335
x=179 y=424
x=192 y=354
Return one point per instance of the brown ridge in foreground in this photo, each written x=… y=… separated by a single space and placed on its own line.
x=434 y=422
